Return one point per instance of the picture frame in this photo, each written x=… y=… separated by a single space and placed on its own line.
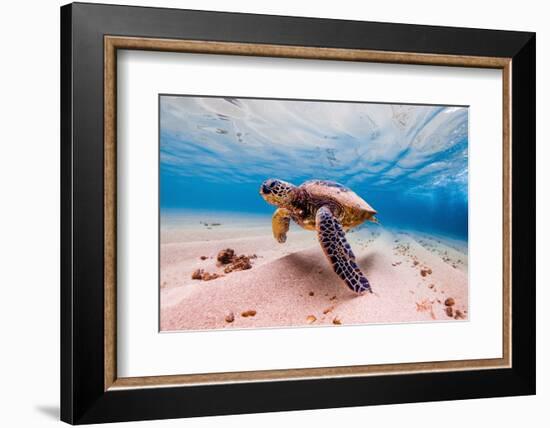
x=91 y=36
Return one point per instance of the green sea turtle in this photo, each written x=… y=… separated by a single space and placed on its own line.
x=331 y=209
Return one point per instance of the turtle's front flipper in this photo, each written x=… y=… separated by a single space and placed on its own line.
x=280 y=224
x=338 y=251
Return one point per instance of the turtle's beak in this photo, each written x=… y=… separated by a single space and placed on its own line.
x=266 y=193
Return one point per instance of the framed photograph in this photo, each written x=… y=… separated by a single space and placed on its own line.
x=265 y=213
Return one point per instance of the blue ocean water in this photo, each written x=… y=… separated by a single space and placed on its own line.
x=410 y=162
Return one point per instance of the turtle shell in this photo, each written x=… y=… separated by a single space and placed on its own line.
x=343 y=196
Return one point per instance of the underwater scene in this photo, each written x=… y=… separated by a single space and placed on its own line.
x=287 y=213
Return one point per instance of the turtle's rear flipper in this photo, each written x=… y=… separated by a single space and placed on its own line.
x=338 y=251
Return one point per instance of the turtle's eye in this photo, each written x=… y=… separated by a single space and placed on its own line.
x=269 y=185
x=265 y=189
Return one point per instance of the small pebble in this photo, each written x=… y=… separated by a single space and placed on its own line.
x=327 y=310
x=311 y=319
x=207 y=276
x=197 y=274
x=425 y=272
x=230 y=317
x=249 y=313
x=238 y=263
x=449 y=311
x=311 y=293
x=459 y=315
x=203 y=257
x=337 y=321
x=226 y=256
x=449 y=301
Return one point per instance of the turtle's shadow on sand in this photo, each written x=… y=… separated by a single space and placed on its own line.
x=306 y=265
x=303 y=263
x=368 y=261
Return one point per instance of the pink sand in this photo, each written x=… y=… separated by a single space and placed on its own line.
x=292 y=284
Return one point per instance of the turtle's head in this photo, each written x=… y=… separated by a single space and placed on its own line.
x=276 y=192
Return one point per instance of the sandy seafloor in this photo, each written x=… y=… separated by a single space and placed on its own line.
x=292 y=284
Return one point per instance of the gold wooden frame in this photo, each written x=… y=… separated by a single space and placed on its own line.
x=113 y=43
